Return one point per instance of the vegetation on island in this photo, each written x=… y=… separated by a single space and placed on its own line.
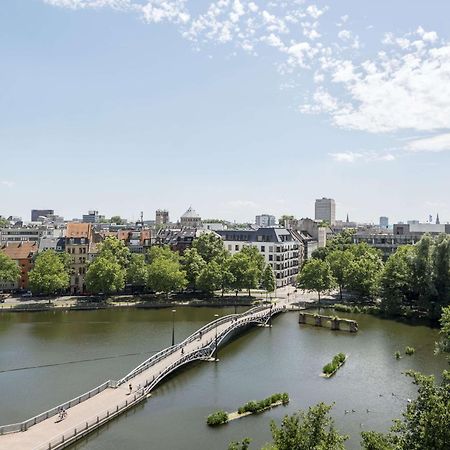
x=217 y=418
x=337 y=361
x=261 y=405
x=410 y=351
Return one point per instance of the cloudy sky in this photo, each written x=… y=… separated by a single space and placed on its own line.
x=235 y=107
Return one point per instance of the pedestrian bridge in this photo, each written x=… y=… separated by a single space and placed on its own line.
x=101 y=404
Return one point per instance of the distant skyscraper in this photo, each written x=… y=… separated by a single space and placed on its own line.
x=437 y=219
x=325 y=209
x=384 y=222
x=92 y=217
x=36 y=213
x=265 y=220
x=162 y=217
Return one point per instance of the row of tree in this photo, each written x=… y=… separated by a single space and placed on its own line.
x=207 y=267
x=415 y=277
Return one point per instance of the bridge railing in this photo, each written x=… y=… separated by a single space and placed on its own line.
x=154 y=359
x=89 y=424
x=23 y=426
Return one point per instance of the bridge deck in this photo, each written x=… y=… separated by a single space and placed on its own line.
x=104 y=405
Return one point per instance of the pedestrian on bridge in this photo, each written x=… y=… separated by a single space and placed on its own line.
x=130 y=387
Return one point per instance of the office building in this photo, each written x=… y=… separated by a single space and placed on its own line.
x=38 y=214
x=265 y=220
x=325 y=210
x=384 y=222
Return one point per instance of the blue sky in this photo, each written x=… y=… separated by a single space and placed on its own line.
x=234 y=107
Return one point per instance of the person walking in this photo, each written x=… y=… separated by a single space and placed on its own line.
x=130 y=387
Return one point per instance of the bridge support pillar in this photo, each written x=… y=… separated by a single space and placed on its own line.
x=301 y=318
x=335 y=324
x=318 y=321
x=353 y=327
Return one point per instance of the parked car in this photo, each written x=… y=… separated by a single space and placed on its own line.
x=27 y=294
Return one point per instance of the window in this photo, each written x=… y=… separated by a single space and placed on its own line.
x=271 y=248
x=270 y=257
x=263 y=248
x=229 y=247
x=236 y=247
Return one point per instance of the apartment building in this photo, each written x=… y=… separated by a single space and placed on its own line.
x=22 y=253
x=279 y=246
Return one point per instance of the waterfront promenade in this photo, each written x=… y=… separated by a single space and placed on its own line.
x=100 y=405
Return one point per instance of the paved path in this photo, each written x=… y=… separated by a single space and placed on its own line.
x=88 y=414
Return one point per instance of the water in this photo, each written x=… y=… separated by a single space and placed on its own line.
x=286 y=358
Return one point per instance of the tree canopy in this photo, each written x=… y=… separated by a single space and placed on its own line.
x=9 y=270
x=50 y=273
x=316 y=276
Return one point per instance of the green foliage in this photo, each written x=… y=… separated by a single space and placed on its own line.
x=105 y=275
x=425 y=423
x=311 y=430
x=261 y=405
x=210 y=277
x=268 y=281
x=209 y=246
x=116 y=250
x=9 y=270
x=50 y=273
x=246 y=270
x=217 y=418
x=162 y=252
x=3 y=222
x=316 y=276
x=443 y=346
x=193 y=264
x=410 y=351
x=334 y=365
x=397 y=355
x=117 y=220
x=244 y=445
x=340 y=262
x=137 y=271
x=165 y=275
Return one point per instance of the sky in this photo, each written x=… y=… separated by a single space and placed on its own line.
x=233 y=107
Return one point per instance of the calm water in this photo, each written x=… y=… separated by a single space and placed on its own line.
x=288 y=357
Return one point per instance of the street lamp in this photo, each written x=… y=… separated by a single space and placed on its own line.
x=215 y=351
x=173 y=326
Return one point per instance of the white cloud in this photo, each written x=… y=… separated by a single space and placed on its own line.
x=366 y=157
x=8 y=184
x=347 y=157
x=438 y=143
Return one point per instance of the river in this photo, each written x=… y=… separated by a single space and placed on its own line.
x=262 y=361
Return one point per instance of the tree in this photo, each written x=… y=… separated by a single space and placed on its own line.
x=117 y=220
x=3 y=222
x=162 y=252
x=340 y=261
x=193 y=264
x=116 y=250
x=395 y=283
x=425 y=423
x=313 y=430
x=9 y=270
x=246 y=274
x=244 y=445
x=137 y=271
x=364 y=271
x=316 y=276
x=209 y=246
x=105 y=275
x=441 y=270
x=443 y=346
x=268 y=279
x=165 y=275
x=210 y=278
x=50 y=273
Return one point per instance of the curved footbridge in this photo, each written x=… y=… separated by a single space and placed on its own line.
x=100 y=405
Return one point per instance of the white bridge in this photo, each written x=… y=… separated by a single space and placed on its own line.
x=100 y=405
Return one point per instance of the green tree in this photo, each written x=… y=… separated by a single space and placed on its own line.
x=441 y=270
x=246 y=273
x=165 y=275
x=443 y=346
x=395 y=283
x=316 y=276
x=364 y=271
x=137 y=271
x=340 y=261
x=114 y=249
x=209 y=246
x=311 y=430
x=50 y=273
x=268 y=279
x=3 y=222
x=162 y=252
x=117 y=220
x=9 y=270
x=105 y=275
x=425 y=423
x=210 y=278
x=193 y=264
x=244 y=445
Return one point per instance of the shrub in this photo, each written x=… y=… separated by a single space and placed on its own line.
x=328 y=368
x=410 y=351
x=254 y=407
x=334 y=364
x=218 y=418
x=397 y=355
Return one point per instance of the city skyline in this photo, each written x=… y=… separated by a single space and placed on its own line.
x=252 y=108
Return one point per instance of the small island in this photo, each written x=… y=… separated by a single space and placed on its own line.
x=331 y=368
x=221 y=417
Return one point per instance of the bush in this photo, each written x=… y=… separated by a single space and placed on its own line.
x=331 y=367
x=254 y=407
x=410 y=351
x=218 y=418
x=397 y=355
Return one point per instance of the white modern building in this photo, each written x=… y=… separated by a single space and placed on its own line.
x=384 y=222
x=280 y=248
x=325 y=209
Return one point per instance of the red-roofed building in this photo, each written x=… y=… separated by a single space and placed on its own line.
x=22 y=253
